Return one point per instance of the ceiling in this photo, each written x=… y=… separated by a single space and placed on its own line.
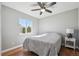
x=26 y=7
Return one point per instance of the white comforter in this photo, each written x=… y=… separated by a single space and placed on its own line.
x=44 y=45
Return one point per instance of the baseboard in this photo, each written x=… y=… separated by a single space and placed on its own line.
x=11 y=48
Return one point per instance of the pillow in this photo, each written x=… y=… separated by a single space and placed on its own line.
x=41 y=35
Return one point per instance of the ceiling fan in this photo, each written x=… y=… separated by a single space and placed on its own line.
x=44 y=6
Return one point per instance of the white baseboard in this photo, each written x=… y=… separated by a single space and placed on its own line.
x=12 y=48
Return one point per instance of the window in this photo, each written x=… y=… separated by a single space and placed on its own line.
x=26 y=25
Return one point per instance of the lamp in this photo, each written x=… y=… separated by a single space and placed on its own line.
x=69 y=32
x=42 y=10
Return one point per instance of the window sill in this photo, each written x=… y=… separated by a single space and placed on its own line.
x=25 y=33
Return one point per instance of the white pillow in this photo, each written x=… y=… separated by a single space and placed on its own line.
x=41 y=35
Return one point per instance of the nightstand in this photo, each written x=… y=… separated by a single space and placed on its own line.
x=70 y=42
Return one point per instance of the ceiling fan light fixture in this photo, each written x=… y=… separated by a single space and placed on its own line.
x=44 y=7
x=42 y=10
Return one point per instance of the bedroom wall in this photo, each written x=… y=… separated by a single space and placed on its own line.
x=11 y=28
x=0 y=26
x=78 y=23
x=59 y=22
x=78 y=18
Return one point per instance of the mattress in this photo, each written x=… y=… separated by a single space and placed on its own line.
x=44 y=45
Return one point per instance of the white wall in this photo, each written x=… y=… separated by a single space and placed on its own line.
x=11 y=28
x=78 y=23
x=0 y=26
x=78 y=18
x=60 y=22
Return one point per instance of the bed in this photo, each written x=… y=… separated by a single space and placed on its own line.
x=47 y=44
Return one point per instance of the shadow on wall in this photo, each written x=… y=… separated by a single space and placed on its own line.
x=63 y=39
x=78 y=38
x=76 y=35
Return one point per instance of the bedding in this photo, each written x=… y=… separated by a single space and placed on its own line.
x=45 y=45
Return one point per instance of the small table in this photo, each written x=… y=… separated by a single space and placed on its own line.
x=70 y=42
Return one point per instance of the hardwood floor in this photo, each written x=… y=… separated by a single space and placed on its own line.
x=20 y=52
x=68 y=52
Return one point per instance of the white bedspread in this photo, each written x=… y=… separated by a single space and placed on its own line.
x=46 y=45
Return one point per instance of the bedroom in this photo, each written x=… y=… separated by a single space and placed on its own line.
x=17 y=16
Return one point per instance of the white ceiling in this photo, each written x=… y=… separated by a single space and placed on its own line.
x=26 y=7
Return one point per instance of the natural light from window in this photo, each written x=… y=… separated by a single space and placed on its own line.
x=26 y=25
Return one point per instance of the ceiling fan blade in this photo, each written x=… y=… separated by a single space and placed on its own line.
x=51 y=4
x=44 y=3
x=48 y=10
x=40 y=4
x=41 y=13
x=35 y=9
